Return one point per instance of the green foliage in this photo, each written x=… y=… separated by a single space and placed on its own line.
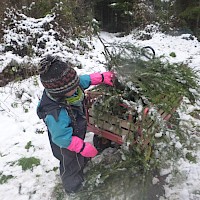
x=28 y=145
x=68 y=19
x=191 y=158
x=35 y=81
x=40 y=8
x=113 y=172
x=163 y=11
x=25 y=109
x=15 y=71
x=58 y=192
x=195 y=113
x=122 y=15
x=74 y=18
x=28 y=163
x=173 y=54
x=4 y=178
x=55 y=169
x=191 y=13
x=142 y=82
x=14 y=104
x=161 y=83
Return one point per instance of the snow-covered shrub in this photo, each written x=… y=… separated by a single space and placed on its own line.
x=25 y=35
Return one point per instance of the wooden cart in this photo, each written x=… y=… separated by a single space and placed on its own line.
x=115 y=129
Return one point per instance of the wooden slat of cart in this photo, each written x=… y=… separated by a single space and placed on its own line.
x=104 y=125
x=111 y=123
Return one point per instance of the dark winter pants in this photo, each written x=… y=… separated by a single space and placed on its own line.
x=71 y=163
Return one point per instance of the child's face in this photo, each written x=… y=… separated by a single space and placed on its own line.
x=70 y=93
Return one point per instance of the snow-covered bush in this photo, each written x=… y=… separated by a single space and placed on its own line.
x=62 y=22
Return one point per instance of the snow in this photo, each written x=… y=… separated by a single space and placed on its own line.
x=20 y=124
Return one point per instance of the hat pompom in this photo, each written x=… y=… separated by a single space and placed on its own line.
x=46 y=63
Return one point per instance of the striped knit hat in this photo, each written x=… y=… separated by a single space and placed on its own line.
x=57 y=77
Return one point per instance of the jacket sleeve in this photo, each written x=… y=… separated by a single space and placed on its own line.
x=85 y=81
x=60 y=130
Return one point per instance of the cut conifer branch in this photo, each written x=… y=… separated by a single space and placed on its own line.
x=142 y=83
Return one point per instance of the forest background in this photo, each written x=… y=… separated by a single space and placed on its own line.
x=80 y=18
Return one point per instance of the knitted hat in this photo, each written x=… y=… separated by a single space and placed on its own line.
x=57 y=77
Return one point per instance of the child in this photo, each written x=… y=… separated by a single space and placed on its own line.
x=62 y=109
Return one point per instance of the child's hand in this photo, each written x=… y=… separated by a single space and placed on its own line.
x=108 y=78
x=105 y=77
x=84 y=148
x=89 y=150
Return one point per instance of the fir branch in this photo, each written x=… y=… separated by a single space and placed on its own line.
x=142 y=83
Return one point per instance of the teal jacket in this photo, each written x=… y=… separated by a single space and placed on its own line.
x=57 y=118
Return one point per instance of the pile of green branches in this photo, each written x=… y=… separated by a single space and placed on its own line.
x=142 y=81
x=153 y=79
x=141 y=75
x=145 y=81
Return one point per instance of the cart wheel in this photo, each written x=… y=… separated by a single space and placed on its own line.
x=101 y=143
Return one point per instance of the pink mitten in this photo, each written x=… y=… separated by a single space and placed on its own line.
x=108 y=78
x=105 y=77
x=89 y=150
x=84 y=148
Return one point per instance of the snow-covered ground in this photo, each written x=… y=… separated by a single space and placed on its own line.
x=24 y=135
